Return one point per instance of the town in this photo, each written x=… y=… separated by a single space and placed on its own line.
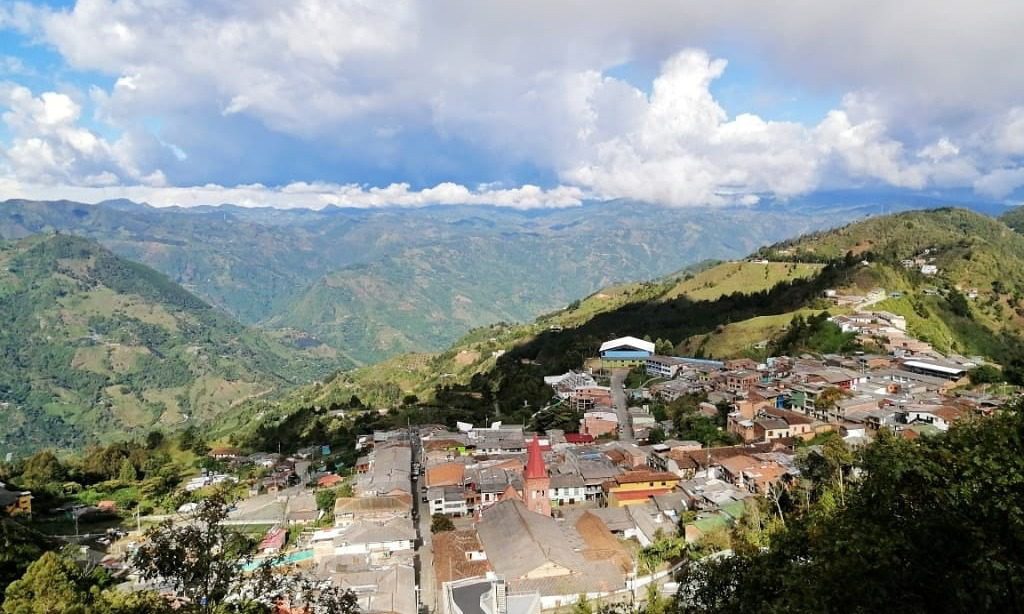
x=668 y=456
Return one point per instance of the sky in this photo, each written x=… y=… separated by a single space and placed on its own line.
x=521 y=104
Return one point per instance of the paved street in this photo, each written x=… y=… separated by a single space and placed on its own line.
x=621 y=406
x=425 y=569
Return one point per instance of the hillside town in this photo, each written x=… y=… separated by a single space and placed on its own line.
x=497 y=518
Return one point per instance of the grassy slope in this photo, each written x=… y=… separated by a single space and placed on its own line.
x=972 y=252
x=378 y=283
x=477 y=351
x=743 y=276
x=94 y=346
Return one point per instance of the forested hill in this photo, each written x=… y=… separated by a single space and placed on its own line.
x=497 y=372
x=373 y=283
x=93 y=346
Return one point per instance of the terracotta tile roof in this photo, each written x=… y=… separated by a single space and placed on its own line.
x=635 y=477
x=446 y=474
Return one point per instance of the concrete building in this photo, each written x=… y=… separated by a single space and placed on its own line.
x=625 y=352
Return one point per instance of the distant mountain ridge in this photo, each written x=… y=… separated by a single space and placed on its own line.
x=93 y=347
x=374 y=283
x=727 y=308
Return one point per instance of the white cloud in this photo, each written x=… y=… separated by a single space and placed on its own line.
x=298 y=194
x=49 y=146
x=686 y=151
x=931 y=100
x=1000 y=182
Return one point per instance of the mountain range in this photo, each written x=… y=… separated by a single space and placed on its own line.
x=374 y=283
x=972 y=304
x=93 y=347
x=96 y=346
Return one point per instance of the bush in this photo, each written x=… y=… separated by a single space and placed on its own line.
x=439 y=523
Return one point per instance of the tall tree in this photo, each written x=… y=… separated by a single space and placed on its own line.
x=931 y=525
x=203 y=560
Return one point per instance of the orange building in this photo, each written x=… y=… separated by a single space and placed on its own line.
x=634 y=487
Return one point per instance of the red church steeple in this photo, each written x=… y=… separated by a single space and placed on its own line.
x=535 y=467
x=536 y=481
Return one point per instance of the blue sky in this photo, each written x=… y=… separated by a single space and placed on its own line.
x=526 y=104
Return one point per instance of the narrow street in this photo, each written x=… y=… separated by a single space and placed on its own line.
x=621 y=406
x=424 y=548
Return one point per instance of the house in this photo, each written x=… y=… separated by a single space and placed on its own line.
x=498 y=439
x=565 y=384
x=273 y=541
x=586 y=398
x=225 y=453
x=366 y=537
x=935 y=369
x=329 y=481
x=302 y=509
x=578 y=439
x=754 y=474
x=15 y=503
x=389 y=473
x=663 y=366
x=447 y=500
x=599 y=423
x=770 y=429
x=567 y=489
x=741 y=381
x=487 y=595
x=348 y=510
x=381 y=590
x=741 y=364
x=625 y=352
x=634 y=487
x=446 y=474
x=939 y=416
x=534 y=552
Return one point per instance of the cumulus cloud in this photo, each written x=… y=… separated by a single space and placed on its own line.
x=304 y=195
x=930 y=100
x=49 y=145
x=686 y=151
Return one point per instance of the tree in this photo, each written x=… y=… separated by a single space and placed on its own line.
x=663 y=347
x=582 y=605
x=154 y=439
x=888 y=542
x=986 y=374
x=958 y=303
x=655 y=435
x=19 y=547
x=203 y=561
x=325 y=500
x=127 y=474
x=439 y=523
x=51 y=585
x=43 y=469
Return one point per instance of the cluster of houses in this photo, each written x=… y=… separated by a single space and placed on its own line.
x=773 y=407
x=372 y=545
x=15 y=502
x=544 y=515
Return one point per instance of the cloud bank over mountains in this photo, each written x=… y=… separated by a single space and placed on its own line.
x=526 y=104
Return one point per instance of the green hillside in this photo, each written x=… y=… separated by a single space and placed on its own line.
x=479 y=352
x=376 y=283
x=742 y=276
x=725 y=310
x=94 y=346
